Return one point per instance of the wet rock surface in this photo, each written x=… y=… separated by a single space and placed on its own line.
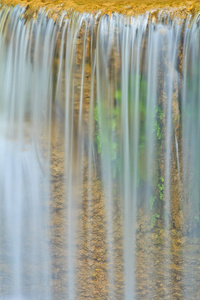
x=167 y=261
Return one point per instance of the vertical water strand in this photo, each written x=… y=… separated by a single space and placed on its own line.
x=138 y=129
x=127 y=40
x=82 y=126
x=84 y=51
x=165 y=174
x=43 y=41
x=24 y=170
x=68 y=148
x=92 y=171
x=185 y=145
x=195 y=193
x=35 y=167
x=59 y=88
x=152 y=61
x=39 y=136
x=20 y=75
x=191 y=146
x=140 y=25
x=39 y=113
x=80 y=129
x=3 y=15
x=173 y=40
x=168 y=86
x=186 y=131
x=57 y=188
x=151 y=75
x=104 y=110
x=50 y=44
x=12 y=208
x=83 y=121
x=68 y=159
x=73 y=171
x=14 y=120
x=12 y=21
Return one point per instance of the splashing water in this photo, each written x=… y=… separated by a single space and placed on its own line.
x=99 y=156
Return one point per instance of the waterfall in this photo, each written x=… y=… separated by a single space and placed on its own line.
x=99 y=156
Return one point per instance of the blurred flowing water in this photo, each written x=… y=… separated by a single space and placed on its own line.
x=99 y=156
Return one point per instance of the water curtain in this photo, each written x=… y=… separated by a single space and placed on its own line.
x=99 y=156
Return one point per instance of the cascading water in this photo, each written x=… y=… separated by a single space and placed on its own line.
x=99 y=156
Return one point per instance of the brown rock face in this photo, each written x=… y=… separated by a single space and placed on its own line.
x=126 y=7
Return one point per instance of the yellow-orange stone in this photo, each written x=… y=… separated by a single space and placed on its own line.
x=127 y=7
